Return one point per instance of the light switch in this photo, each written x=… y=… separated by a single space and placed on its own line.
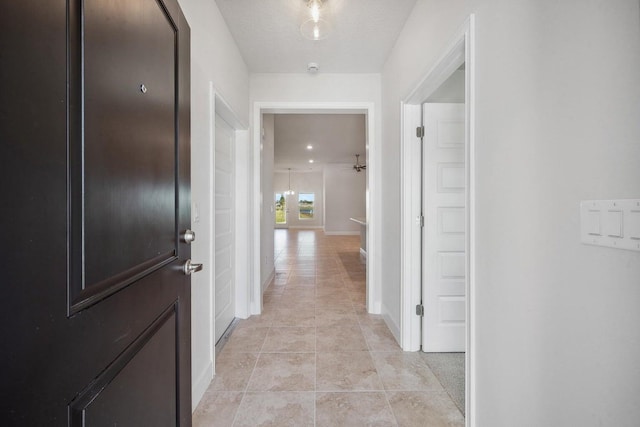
x=634 y=225
x=613 y=224
x=592 y=223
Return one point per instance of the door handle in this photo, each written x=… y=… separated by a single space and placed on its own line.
x=189 y=236
x=190 y=267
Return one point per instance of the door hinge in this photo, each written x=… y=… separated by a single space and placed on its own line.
x=421 y=221
x=420 y=310
x=420 y=131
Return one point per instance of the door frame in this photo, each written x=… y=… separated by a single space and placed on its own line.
x=241 y=204
x=217 y=105
x=373 y=201
x=460 y=50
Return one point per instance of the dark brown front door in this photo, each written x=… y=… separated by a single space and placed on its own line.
x=94 y=121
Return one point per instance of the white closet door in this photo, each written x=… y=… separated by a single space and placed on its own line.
x=224 y=302
x=443 y=239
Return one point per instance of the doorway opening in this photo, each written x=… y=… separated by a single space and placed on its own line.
x=438 y=210
x=262 y=266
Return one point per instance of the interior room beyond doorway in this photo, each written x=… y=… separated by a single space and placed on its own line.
x=265 y=210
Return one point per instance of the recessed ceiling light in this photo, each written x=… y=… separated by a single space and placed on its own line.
x=310 y=160
x=309 y=147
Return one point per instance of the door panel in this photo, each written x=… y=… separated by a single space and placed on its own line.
x=224 y=302
x=128 y=392
x=444 y=258
x=129 y=138
x=99 y=315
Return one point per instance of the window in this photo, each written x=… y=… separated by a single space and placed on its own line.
x=281 y=209
x=305 y=205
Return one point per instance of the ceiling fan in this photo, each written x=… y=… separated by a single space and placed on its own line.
x=358 y=167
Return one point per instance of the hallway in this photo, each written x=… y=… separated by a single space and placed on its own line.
x=315 y=357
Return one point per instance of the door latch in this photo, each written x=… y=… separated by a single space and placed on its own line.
x=190 y=267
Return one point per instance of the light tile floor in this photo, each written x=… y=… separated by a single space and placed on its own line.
x=315 y=357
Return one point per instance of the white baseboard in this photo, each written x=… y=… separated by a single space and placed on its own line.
x=305 y=227
x=363 y=253
x=342 y=233
x=391 y=324
x=265 y=285
x=200 y=385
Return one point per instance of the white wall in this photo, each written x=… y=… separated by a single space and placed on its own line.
x=329 y=88
x=267 y=269
x=427 y=30
x=558 y=121
x=345 y=191
x=301 y=182
x=214 y=58
x=315 y=87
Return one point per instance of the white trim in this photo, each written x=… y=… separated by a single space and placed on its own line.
x=266 y=283
x=255 y=217
x=449 y=62
x=224 y=110
x=242 y=220
x=391 y=324
x=201 y=384
x=410 y=325
x=374 y=203
x=460 y=50
x=471 y=283
x=342 y=233
x=306 y=227
x=363 y=253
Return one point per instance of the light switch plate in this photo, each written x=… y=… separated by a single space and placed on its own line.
x=593 y=223
x=634 y=224
x=611 y=223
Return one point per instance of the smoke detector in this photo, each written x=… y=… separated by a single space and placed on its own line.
x=313 y=67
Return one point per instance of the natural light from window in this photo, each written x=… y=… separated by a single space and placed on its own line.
x=306 y=205
x=281 y=209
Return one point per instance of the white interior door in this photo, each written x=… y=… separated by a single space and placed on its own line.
x=224 y=283
x=443 y=238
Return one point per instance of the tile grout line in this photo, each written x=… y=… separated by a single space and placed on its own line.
x=244 y=393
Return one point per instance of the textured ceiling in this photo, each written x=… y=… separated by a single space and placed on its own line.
x=336 y=139
x=268 y=34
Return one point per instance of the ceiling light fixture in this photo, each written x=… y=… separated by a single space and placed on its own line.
x=310 y=160
x=315 y=28
x=289 y=192
x=358 y=167
x=309 y=147
x=315 y=6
